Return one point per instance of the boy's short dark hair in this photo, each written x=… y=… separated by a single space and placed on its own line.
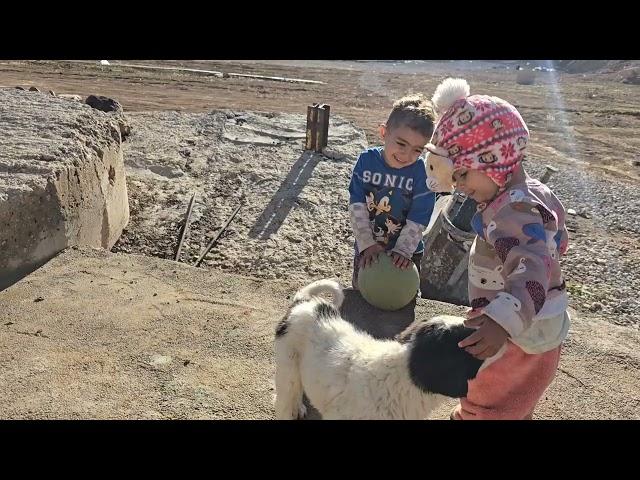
x=414 y=111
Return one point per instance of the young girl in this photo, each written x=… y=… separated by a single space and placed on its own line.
x=516 y=290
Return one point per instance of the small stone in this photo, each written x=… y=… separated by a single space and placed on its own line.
x=596 y=307
x=571 y=211
x=104 y=104
x=158 y=360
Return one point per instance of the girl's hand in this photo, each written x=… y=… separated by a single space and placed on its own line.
x=486 y=340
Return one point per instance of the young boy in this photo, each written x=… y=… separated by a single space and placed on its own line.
x=390 y=204
x=517 y=293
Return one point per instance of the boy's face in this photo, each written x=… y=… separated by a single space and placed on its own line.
x=402 y=145
x=475 y=184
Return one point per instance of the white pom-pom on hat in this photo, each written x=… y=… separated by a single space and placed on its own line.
x=448 y=92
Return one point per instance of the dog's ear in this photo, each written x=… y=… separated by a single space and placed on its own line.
x=405 y=335
x=437 y=364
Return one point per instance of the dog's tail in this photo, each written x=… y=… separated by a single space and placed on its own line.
x=321 y=286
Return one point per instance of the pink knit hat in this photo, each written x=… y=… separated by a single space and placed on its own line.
x=478 y=132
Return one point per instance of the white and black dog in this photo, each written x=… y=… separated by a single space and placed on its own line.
x=347 y=374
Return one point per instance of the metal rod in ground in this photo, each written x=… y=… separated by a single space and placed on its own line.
x=187 y=220
x=215 y=239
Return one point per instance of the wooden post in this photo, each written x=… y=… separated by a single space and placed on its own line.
x=312 y=127
x=317 y=127
x=323 y=126
x=185 y=227
x=215 y=239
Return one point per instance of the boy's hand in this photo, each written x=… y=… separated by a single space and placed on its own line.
x=400 y=261
x=486 y=340
x=370 y=255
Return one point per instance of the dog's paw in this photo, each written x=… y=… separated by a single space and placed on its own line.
x=291 y=412
x=302 y=411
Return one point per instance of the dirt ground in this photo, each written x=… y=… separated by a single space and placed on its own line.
x=601 y=116
x=117 y=336
x=292 y=220
x=581 y=123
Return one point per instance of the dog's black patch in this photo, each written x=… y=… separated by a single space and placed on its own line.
x=324 y=310
x=282 y=326
x=437 y=364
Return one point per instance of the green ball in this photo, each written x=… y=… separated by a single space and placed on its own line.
x=386 y=286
